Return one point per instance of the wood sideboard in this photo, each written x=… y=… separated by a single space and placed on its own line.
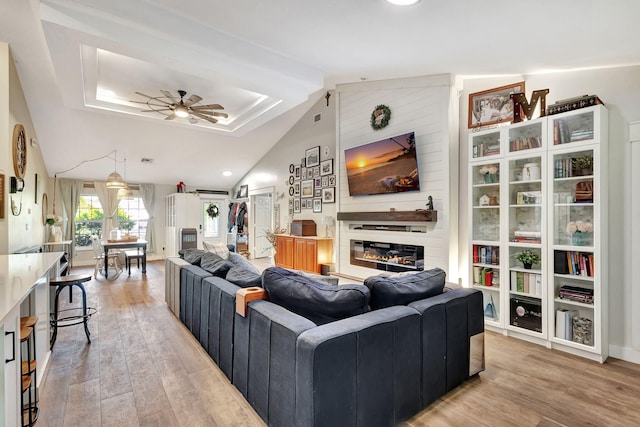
x=303 y=253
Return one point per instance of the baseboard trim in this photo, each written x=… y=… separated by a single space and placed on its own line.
x=624 y=353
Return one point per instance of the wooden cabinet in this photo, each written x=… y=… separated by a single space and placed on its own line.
x=284 y=253
x=303 y=253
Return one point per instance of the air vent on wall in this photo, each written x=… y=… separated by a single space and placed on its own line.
x=146 y=160
x=317 y=118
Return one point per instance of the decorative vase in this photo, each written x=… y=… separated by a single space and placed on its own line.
x=489 y=178
x=587 y=171
x=578 y=238
x=527 y=266
x=56 y=234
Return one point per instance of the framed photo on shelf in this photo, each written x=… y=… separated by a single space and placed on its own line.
x=326 y=167
x=329 y=195
x=306 y=188
x=296 y=205
x=492 y=106
x=312 y=156
x=244 y=191
x=317 y=205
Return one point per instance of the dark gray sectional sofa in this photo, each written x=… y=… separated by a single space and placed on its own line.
x=377 y=368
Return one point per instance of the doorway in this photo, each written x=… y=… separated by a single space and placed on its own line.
x=262 y=207
x=211 y=225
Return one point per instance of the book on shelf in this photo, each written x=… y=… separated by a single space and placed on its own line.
x=574 y=263
x=576 y=293
x=527 y=236
x=573 y=104
x=564 y=323
x=528 y=283
x=525 y=143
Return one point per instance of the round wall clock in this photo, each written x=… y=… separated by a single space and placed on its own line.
x=19 y=151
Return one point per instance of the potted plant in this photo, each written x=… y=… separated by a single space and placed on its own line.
x=584 y=165
x=528 y=258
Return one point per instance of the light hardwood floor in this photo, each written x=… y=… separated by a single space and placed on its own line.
x=144 y=368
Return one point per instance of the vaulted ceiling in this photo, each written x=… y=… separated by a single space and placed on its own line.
x=81 y=63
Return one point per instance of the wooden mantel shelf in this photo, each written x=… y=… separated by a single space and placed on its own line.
x=421 y=215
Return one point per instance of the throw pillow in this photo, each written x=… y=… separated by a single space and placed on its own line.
x=217 y=248
x=214 y=264
x=390 y=291
x=327 y=280
x=318 y=302
x=193 y=256
x=244 y=277
x=241 y=261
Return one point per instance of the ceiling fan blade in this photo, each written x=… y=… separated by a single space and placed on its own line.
x=225 y=115
x=193 y=99
x=142 y=94
x=164 y=104
x=209 y=107
x=169 y=95
x=202 y=116
x=192 y=120
x=154 y=111
x=171 y=117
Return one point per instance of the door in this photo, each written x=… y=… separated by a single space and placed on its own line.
x=213 y=217
x=262 y=210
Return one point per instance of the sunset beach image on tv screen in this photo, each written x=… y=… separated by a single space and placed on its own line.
x=385 y=166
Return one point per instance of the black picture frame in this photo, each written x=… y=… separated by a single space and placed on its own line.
x=244 y=191
x=312 y=156
x=332 y=180
x=317 y=205
x=291 y=168
x=291 y=179
x=296 y=189
x=324 y=181
x=296 y=205
x=317 y=192
x=326 y=167
x=306 y=189
x=291 y=191
x=329 y=195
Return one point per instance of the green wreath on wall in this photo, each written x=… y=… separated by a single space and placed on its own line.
x=380 y=117
x=213 y=211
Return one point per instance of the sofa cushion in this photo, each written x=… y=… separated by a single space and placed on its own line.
x=243 y=277
x=217 y=248
x=402 y=290
x=318 y=302
x=215 y=265
x=327 y=280
x=192 y=256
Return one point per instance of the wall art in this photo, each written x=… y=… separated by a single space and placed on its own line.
x=492 y=106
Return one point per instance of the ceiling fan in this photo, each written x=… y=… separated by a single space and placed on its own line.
x=169 y=106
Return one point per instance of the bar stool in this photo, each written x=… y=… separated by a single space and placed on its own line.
x=28 y=373
x=72 y=319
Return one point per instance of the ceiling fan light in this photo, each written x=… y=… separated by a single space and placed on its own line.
x=181 y=111
x=115 y=180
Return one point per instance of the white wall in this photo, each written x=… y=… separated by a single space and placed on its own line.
x=619 y=89
x=273 y=169
x=26 y=229
x=428 y=107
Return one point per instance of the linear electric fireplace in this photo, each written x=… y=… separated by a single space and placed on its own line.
x=395 y=257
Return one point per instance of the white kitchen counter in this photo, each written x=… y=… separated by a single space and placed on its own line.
x=19 y=274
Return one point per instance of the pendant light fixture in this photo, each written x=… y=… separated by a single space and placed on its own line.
x=126 y=192
x=114 y=180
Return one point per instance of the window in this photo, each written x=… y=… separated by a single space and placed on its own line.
x=132 y=217
x=211 y=225
x=88 y=220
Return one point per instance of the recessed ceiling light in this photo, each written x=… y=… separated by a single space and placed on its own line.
x=403 y=2
x=226 y=173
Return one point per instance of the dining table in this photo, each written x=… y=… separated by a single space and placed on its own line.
x=116 y=245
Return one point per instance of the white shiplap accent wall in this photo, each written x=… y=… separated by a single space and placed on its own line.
x=427 y=106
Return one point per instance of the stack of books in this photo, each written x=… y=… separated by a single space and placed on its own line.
x=575 y=293
x=527 y=236
x=571 y=104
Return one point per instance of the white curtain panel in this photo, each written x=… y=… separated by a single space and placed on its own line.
x=109 y=199
x=70 y=190
x=148 y=193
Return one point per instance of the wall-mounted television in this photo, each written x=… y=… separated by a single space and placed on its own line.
x=385 y=166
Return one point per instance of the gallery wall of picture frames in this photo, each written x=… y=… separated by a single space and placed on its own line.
x=312 y=182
